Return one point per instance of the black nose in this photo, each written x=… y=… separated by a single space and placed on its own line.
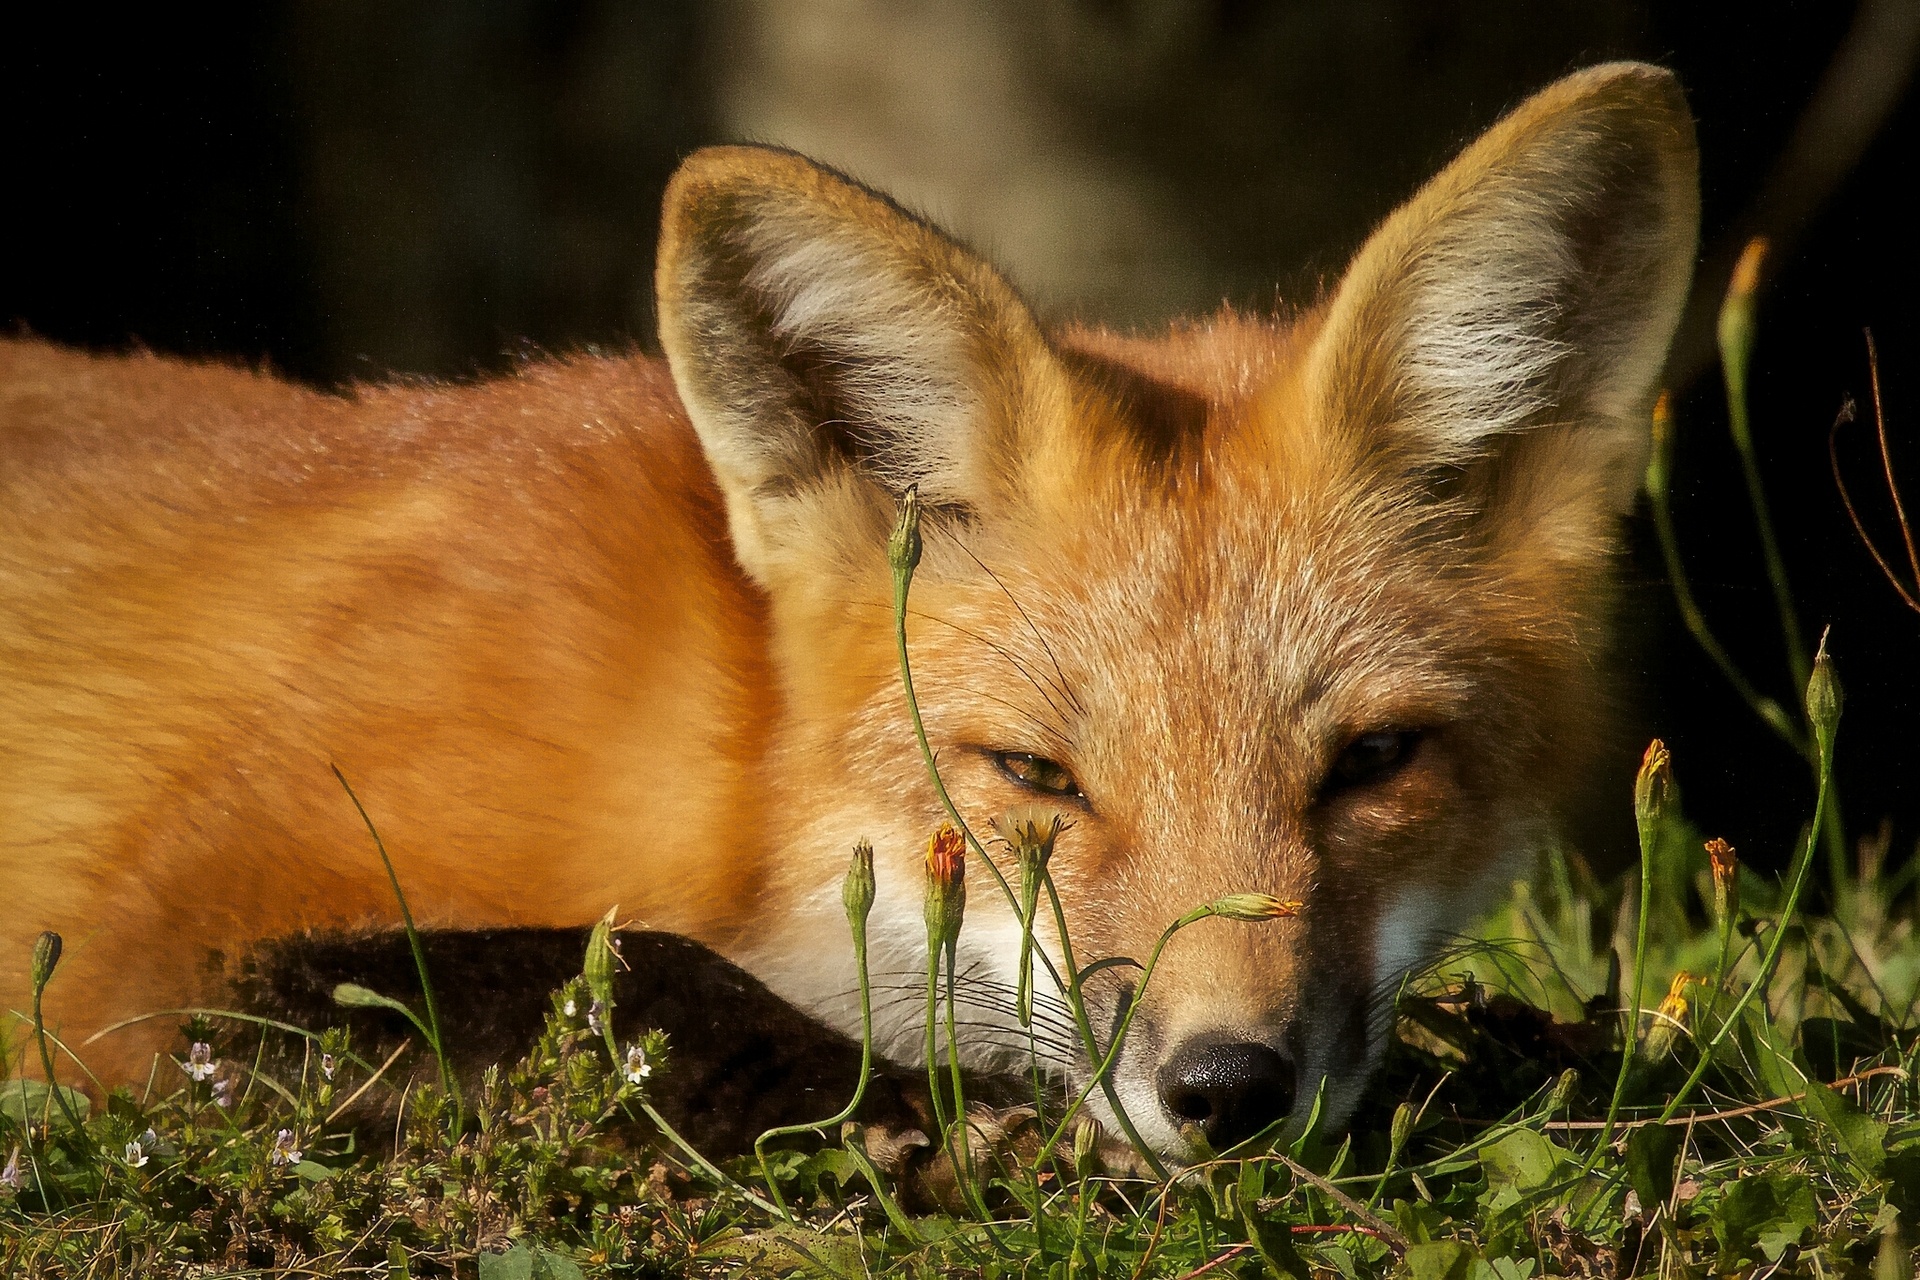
x=1232 y=1089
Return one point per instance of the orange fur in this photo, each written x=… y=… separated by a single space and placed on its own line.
x=594 y=634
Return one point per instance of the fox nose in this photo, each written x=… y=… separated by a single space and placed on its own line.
x=1232 y=1089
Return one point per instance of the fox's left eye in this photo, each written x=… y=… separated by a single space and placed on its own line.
x=1038 y=773
x=1371 y=756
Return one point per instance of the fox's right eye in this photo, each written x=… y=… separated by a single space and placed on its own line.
x=1369 y=757
x=1037 y=773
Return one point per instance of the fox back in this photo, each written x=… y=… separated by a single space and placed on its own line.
x=1313 y=606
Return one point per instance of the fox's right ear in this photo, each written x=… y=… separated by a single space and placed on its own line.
x=831 y=349
x=1532 y=287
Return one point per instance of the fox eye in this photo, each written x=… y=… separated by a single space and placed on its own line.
x=1371 y=756
x=1037 y=773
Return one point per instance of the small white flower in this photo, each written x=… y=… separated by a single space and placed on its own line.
x=223 y=1092
x=11 y=1175
x=200 y=1062
x=594 y=1013
x=136 y=1156
x=570 y=1008
x=326 y=1065
x=284 y=1152
x=638 y=1068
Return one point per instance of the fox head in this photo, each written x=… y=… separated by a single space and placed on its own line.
x=1312 y=607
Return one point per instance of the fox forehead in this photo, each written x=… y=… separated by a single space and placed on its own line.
x=1221 y=577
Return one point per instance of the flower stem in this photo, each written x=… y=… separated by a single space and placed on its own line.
x=447 y=1081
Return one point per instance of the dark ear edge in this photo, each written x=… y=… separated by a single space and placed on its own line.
x=825 y=341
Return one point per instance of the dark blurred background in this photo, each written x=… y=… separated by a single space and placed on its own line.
x=343 y=189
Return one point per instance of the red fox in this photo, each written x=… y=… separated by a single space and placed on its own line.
x=1313 y=606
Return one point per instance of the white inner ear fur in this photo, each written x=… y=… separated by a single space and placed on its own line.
x=897 y=348
x=1537 y=279
x=1481 y=305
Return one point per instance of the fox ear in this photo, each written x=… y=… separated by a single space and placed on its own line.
x=1533 y=284
x=831 y=350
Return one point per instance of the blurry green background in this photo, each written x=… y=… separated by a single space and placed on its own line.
x=345 y=189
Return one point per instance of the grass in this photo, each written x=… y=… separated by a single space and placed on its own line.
x=1692 y=1070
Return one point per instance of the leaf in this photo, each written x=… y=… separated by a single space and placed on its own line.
x=31 y=1101
x=515 y=1264
x=1522 y=1161
x=548 y=1265
x=1268 y=1234
x=313 y=1171
x=1418 y=1221
x=1651 y=1152
x=1862 y=1138
x=1902 y=1172
x=1440 y=1260
x=529 y=1262
x=1767 y=1212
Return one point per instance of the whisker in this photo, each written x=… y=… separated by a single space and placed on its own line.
x=909 y=993
x=1061 y=684
x=1003 y=652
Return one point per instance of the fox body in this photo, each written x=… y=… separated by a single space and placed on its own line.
x=1313 y=606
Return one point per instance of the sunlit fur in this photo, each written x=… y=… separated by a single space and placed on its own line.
x=577 y=645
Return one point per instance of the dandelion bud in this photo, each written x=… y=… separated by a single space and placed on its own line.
x=598 y=969
x=1085 y=1136
x=1670 y=1020
x=1650 y=791
x=946 y=885
x=1736 y=329
x=1253 y=907
x=1030 y=831
x=1823 y=698
x=1726 y=876
x=856 y=891
x=1660 y=460
x=46 y=954
x=1402 y=1128
x=903 y=548
x=1563 y=1091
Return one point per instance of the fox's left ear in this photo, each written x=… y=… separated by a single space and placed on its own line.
x=1532 y=287
x=832 y=349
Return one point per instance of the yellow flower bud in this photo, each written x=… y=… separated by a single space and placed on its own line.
x=946 y=885
x=1253 y=906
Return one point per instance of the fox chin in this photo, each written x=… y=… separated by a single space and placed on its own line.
x=1315 y=606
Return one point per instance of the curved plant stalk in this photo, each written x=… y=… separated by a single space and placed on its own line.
x=1725 y=865
x=1659 y=499
x=46 y=957
x=432 y=1029
x=1909 y=595
x=903 y=553
x=856 y=893
x=1736 y=337
x=1650 y=791
x=1238 y=906
x=1823 y=709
